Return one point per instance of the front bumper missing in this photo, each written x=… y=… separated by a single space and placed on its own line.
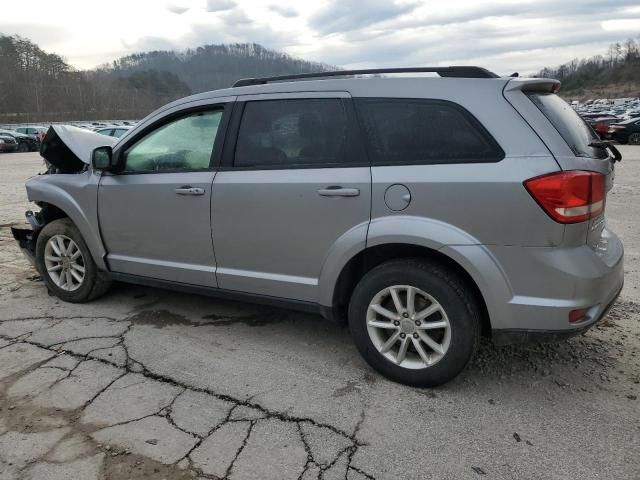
x=26 y=237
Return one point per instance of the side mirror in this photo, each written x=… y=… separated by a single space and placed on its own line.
x=102 y=159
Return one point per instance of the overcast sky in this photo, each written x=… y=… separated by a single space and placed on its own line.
x=504 y=36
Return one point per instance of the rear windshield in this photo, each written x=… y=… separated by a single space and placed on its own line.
x=575 y=131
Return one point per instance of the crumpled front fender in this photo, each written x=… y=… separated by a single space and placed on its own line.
x=76 y=195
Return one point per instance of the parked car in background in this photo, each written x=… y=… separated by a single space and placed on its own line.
x=26 y=143
x=31 y=130
x=626 y=132
x=114 y=131
x=8 y=144
x=590 y=117
x=601 y=126
x=629 y=114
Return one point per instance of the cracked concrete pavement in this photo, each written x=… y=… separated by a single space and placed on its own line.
x=145 y=383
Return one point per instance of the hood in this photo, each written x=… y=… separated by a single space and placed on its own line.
x=69 y=148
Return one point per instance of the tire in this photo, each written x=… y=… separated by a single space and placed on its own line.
x=92 y=283
x=23 y=147
x=634 y=139
x=434 y=287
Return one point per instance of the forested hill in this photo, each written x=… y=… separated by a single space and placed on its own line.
x=614 y=75
x=38 y=86
x=215 y=66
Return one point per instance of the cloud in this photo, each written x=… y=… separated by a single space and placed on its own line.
x=236 y=17
x=177 y=9
x=149 y=43
x=220 y=5
x=40 y=34
x=345 y=15
x=551 y=9
x=504 y=35
x=286 y=12
x=205 y=33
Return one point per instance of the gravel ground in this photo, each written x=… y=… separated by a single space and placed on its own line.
x=145 y=383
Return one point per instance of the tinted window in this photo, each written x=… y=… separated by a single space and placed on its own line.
x=575 y=131
x=424 y=131
x=183 y=144
x=291 y=133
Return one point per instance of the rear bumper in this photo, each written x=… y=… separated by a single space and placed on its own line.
x=8 y=148
x=548 y=283
x=521 y=336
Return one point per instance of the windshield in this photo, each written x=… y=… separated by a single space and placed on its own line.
x=575 y=131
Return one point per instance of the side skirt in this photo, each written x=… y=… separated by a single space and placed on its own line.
x=278 y=302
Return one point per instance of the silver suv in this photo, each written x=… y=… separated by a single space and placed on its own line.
x=425 y=211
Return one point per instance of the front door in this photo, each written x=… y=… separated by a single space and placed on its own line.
x=291 y=185
x=155 y=216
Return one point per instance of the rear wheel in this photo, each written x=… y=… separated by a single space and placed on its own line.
x=416 y=323
x=65 y=263
x=634 y=139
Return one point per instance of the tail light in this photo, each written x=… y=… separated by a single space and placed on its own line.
x=569 y=197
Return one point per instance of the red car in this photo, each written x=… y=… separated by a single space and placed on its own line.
x=601 y=126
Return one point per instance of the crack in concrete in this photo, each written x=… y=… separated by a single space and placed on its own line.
x=134 y=366
x=242 y=447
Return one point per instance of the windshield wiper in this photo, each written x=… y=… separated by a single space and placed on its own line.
x=604 y=144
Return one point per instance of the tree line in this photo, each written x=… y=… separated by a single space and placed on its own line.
x=36 y=86
x=620 y=66
x=211 y=67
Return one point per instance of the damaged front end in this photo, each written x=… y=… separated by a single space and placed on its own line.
x=67 y=153
x=26 y=237
x=67 y=149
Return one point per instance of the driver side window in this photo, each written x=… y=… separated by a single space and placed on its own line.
x=182 y=144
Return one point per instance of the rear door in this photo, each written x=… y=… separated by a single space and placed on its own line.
x=292 y=183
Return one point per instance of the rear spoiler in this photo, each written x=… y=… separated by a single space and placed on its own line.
x=533 y=85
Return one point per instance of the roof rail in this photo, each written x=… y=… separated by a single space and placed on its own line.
x=457 y=72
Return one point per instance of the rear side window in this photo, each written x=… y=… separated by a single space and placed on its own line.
x=427 y=132
x=290 y=133
x=573 y=129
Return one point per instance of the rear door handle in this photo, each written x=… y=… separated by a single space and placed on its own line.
x=189 y=190
x=338 y=191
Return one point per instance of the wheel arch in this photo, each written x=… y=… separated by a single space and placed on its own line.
x=57 y=202
x=370 y=257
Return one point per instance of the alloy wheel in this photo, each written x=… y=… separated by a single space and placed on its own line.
x=64 y=262
x=409 y=327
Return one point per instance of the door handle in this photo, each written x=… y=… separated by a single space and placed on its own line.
x=189 y=190
x=338 y=191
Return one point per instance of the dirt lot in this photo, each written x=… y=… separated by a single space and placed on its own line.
x=144 y=383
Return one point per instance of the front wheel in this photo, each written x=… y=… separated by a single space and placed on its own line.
x=634 y=139
x=23 y=147
x=415 y=322
x=65 y=264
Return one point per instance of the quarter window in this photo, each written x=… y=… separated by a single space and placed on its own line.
x=424 y=132
x=573 y=129
x=182 y=144
x=289 y=133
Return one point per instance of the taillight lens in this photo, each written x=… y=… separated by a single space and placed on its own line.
x=569 y=197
